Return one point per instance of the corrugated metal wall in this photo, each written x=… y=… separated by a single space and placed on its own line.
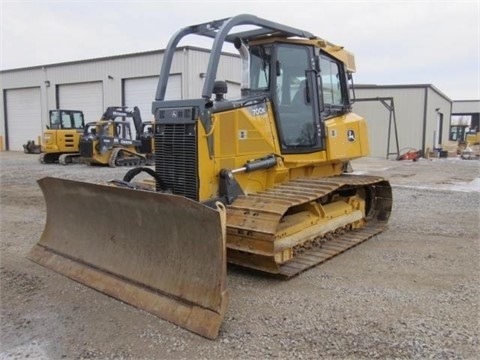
x=415 y=105
x=466 y=107
x=228 y=70
x=408 y=110
x=437 y=108
x=415 y=113
x=188 y=62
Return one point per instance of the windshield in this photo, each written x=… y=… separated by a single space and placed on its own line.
x=61 y=119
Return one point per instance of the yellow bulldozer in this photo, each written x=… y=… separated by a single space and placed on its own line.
x=109 y=141
x=61 y=139
x=260 y=181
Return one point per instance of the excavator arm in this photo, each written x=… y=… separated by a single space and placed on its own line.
x=114 y=112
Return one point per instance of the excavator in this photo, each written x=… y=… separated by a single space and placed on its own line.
x=261 y=181
x=61 y=139
x=109 y=141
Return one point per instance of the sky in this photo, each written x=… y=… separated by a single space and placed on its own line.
x=394 y=42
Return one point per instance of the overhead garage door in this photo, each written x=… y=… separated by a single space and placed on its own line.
x=24 y=116
x=141 y=92
x=87 y=97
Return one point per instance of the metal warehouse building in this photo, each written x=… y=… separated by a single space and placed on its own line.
x=93 y=85
x=421 y=119
x=465 y=117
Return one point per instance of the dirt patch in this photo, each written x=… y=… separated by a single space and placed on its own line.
x=410 y=292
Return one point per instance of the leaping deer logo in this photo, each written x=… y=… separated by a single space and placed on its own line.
x=351 y=135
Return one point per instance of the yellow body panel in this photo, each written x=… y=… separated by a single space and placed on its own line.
x=334 y=50
x=472 y=138
x=241 y=135
x=102 y=159
x=347 y=137
x=61 y=141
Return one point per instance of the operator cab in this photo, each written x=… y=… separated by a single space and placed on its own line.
x=306 y=87
x=66 y=119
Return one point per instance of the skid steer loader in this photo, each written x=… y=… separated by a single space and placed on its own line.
x=61 y=139
x=109 y=141
x=259 y=181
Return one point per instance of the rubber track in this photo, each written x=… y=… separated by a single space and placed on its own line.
x=63 y=158
x=114 y=160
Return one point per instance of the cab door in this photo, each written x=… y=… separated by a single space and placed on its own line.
x=297 y=100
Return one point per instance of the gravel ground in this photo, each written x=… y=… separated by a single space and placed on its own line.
x=411 y=292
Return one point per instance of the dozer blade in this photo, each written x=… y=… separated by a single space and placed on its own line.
x=162 y=253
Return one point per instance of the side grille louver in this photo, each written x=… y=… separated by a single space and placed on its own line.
x=69 y=140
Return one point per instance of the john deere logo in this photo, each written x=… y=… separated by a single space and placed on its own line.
x=351 y=135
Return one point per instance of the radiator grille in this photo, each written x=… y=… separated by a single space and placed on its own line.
x=176 y=158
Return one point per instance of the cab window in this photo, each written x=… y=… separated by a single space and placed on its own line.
x=260 y=68
x=331 y=82
x=294 y=99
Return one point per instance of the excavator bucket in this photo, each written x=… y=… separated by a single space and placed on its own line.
x=162 y=253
